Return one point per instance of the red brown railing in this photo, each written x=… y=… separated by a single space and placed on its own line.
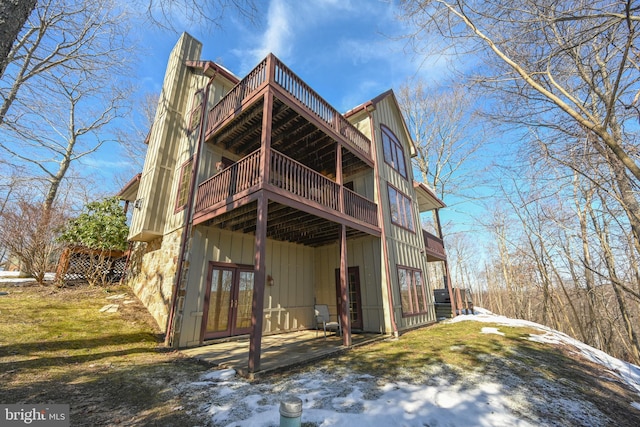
x=434 y=245
x=346 y=129
x=238 y=177
x=233 y=100
x=358 y=207
x=298 y=179
x=290 y=176
x=298 y=89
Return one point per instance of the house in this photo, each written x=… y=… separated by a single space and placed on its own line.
x=259 y=200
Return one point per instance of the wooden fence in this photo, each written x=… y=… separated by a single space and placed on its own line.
x=76 y=262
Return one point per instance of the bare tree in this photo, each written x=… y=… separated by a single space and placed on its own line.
x=447 y=137
x=567 y=69
x=48 y=133
x=60 y=93
x=164 y=12
x=446 y=132
x=571 y=64
x=29 y=239
x=59 y=135
x=15 y=13
x=61 y=37
x=565 y=251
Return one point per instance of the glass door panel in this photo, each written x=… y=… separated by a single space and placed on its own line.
x=219 y=301
x=227 y=304
x=355 y=300
x=244 y=300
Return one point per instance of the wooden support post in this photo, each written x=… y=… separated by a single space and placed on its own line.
x=345 y=317
x=260 y=274
x=265 y=148
x=458 y=306
x=339 y=178
x=259 y=281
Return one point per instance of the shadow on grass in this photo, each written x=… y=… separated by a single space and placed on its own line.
x=58 y=348
x=138 y=394
x=52 y=353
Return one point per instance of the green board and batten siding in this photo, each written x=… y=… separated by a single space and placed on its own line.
x=404 y=248
x=288 y=302
x=165 y=138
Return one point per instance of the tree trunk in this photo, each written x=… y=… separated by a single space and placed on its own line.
x=13 y=15
x=609 y=258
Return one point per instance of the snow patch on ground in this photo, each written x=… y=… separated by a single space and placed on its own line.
x=627 y=372
x=219 y=375
x=353 y=400
x=491 y=331
x=13 y=277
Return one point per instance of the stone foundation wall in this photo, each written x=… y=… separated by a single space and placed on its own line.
x=151 y=274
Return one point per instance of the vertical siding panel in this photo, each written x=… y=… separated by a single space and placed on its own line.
x=403 y=246
x=156 y=180
x=290 y=265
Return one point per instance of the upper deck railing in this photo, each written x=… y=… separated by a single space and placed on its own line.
x=272 y=71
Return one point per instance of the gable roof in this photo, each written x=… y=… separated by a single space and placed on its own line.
x=372 y=105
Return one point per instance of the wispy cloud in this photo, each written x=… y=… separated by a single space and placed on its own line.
x=352 y=47
x=286 y=25
x=275 y=39
x=104 y=163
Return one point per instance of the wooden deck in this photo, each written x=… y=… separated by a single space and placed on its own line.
x=292 y=148
x=279 y=352
x=272 y=72
x=287 y=177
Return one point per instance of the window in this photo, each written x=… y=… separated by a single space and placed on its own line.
x=184 y=184
x=400 y=206
x=196 y=111
x=393 y=152
x=412 y=291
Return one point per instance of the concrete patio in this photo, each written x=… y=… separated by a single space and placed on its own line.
x=279 y=352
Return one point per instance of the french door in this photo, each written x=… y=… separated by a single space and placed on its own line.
x=355 y=304
x=227 y=304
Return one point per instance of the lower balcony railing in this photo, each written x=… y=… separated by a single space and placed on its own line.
x=290 y=176
x=434 y=245
x=238 y=177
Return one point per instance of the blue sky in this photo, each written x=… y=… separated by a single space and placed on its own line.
x=348 y=51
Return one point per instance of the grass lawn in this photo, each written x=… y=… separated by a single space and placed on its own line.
x=57 y=347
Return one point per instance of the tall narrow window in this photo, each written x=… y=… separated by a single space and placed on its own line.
x=412 y=291
x=400 y=207
x=196 y=111
x=393 y=152
x=184 y=184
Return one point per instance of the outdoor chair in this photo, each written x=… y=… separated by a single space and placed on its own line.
x=323 y=318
